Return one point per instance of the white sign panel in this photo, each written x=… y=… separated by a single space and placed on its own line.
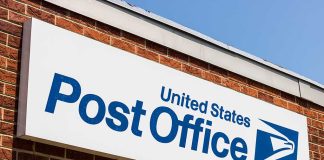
x=82 y=93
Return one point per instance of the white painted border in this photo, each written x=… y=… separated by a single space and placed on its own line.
x=165 y=32
x=23 y=86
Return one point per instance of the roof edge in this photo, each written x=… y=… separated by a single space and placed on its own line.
x=160 y=30
x=199 y=35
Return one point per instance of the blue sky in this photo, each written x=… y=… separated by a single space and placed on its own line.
x=288 y=33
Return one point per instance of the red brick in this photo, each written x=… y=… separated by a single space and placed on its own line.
x=218 y=70
x=10 y=28
x=8 y=52
x=7 y=128
x=133 y=38
x=10 y=90
x=156 y=47
x=178 y=55
x=8 y=76
x=3 y=38
x=50 y=150
x=288 y=97
x=321 y=117
x=147 y=54
x=232 y=84
x=6 y=154
x=301 y=102
x=313 y=139
x=312 y=130
x=16 y=6
x=12 y=65
x=54 y=9
x=102 y=158
x=108 y=29
x=321 y=133
x=212 y=77
x=255 y=84
x=17 y=18
x=34 y=12
x=192 y=70
x=170 y=62
x=75 y=155
x=96 y=35
x=7 y=141
x=316 y=155
x=271 y=90
x=294 y=107
x=309 y=121
x=3 y=13
x=311 y=155
x=27 y=156
x=280 y=102
x=1 y=87
x=14 y=41
x=321 y=149
x=74 y=27
x=310 y=113
x=4 y=3
x=237 y=77
x=82 y=19
x=313 y=147
x=7 y=102
x=23 y=144
x=317 y=124
x=249 y=91
x=35 y=3
x=321 y=141
x=9 y=115
x=315 y=107
x=265 y=97
x=3 y=62
x=122 y=45
x=198 y=63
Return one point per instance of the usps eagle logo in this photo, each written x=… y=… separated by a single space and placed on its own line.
x=275 y=142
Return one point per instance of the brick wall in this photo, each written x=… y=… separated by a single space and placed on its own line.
x=14 y=13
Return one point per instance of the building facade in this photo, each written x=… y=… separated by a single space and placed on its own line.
x=139 y=33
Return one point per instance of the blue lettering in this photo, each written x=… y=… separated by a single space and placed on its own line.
x=214 y=112
x=112 y=109
x=83 y=109
x=247 y=122
x=235 y=148
x=184 y=130
x=55 y=94
x=214 y=142
x=169 y=94
x=207 y=137
x=118 y=118
x=197 y=129
x=138 y=112
x=174 y=126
